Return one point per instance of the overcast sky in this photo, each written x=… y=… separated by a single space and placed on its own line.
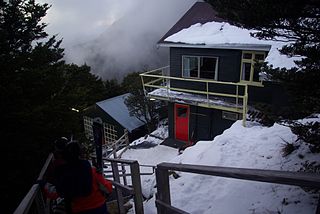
x=114 y=37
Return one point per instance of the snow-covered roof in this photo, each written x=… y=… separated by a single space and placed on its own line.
x=224 y=35
x=118 y=110
x=201 y=27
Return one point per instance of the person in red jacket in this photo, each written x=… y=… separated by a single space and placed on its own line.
x=81 y=186
x=95 y=202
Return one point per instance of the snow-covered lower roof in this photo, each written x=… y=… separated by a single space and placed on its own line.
x=224 y=35
x=118 y=110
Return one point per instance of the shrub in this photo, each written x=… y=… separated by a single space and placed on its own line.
x=309 y=133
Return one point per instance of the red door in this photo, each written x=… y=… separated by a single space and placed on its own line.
x=182 y=122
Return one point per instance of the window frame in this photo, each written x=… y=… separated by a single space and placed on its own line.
x=227 y=115
x=199 y=65
x=252 y=61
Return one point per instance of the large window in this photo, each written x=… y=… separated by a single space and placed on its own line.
x=250 y=72
x=200 y=67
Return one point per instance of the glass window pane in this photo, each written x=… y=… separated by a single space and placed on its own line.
x=247 y=56
x=246 y=68
x=190 y=66
x=256 y=72
x=182 y=112
x=208 y=67
x=259 y=57
x=256 y=75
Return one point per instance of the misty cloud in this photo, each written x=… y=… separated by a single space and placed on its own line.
x=114 y=37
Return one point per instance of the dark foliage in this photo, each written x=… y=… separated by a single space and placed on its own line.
x=37 y=92
x=138 y=104
x=292 y=20
x=298 y=23
x=302 y=86
x=288 y=148
x=113 y=88
x=309 y=133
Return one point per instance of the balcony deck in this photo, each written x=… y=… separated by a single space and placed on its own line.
x=197 y=100
x=158 y=84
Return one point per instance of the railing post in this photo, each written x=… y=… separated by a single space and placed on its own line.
x=163 y=189
x=237 y=93
x=39 y=200
x=116 y=178
x=124 y=177
x=144 y=88
x=207 y=84
x=114 y=151
x=245 y=104
x=318 y=206
x=136 y=183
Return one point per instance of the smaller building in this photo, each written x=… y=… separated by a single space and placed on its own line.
x=116 y=118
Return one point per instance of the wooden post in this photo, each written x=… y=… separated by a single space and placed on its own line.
x=124 y=177
x=245 y=105
x=207 y=85
x=136 y=183
x=163 y=189
x=318 y=206
x=39 y=200
x=98 y=132
x=116 y=178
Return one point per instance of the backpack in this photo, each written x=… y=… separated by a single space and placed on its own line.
x=74 y=179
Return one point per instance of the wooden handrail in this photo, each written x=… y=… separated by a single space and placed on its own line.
x=34 y=195
x=270 y=176
x=239 y=107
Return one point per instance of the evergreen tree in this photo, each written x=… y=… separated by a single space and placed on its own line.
x=294 y=21
x=113 y=88
x=37 y=91
x=138 y=104
x=298 y=23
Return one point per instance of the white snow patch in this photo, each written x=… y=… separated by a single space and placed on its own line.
x=255 y=147
x=218 y=33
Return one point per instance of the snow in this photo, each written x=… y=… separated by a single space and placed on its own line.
x=255 y=147
x=222 y=33
x=183 y=97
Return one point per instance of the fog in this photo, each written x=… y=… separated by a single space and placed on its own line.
x=114 y=37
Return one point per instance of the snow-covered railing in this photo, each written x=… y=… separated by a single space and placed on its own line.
x=163 y=200
x=229 y=96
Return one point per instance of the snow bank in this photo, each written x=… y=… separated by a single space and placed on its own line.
x=253 y=146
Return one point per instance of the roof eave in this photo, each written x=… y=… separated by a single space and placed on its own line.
x=235 y=46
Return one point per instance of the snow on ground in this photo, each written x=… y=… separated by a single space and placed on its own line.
x=253 y=146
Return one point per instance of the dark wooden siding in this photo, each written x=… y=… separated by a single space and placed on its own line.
x=229 y=61
x=272 y=93
x=204 y=123
x=96 y=111
x=171 y=120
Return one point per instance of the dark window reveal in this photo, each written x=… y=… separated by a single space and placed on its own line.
x=200 y=67
x=250 y=69
x=182 y=112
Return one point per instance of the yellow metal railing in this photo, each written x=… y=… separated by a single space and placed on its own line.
x=156 y=85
